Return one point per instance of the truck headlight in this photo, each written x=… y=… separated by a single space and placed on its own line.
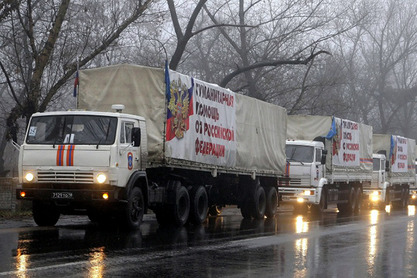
x=101 y=178
x=375 y=196
x=29 y=177
x=308 y=192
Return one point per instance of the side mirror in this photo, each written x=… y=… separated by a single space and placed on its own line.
x=136 y=136
x=323 y=156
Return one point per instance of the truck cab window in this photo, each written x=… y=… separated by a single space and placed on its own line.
x=126 y=132
x=72 y=129
x=298 y=153
x=377 y=164
x=318 y=155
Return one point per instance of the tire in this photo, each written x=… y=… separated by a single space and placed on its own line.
x=387 y=201
x=134 y=209
x=317 y=210
x=358 y=203
x=349 y=207
x=199 y=205
x=245 y=210
x=259 y=204
x=271 y=201
x=215 y=210
x=45 y=214
x=181 y=209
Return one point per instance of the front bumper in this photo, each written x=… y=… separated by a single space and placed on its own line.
x=299 y=195
x=65 y=195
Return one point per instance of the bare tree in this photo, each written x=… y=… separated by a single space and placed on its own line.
x=388 y=45
x=40 y=54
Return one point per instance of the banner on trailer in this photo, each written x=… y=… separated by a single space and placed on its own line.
x=399 y=154
x=346 y=144
x=201 y=121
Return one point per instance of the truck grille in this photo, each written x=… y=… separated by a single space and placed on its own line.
x=65 y=177
x=294 y=182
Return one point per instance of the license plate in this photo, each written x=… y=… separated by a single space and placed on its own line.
x=61 y=195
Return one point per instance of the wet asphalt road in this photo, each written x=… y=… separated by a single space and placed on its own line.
x=371 y=244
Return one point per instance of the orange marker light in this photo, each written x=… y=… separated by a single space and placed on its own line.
x=105 y=196
x=23 y=194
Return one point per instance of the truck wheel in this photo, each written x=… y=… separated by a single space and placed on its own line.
x=245 y=210
x=215 y=210
x=317 y=210
x=199 y=205
x=358 y=203
x=44 y=214
x=349 y=207
x=385 y=203
x=135 y=208
x=259 y=205
x=271 y=201
x=181 y=208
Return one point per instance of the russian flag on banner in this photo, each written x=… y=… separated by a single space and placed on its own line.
x=178 y=121
x=76 y=82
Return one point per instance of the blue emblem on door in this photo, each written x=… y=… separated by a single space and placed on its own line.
x=130 y=161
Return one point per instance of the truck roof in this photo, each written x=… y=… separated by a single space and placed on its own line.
x=91 y=113
x=377 y=155
x=305 y=143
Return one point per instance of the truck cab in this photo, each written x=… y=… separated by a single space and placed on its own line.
x=375 y=194
x=79 y=162
x=305 y=172
x=413 y=191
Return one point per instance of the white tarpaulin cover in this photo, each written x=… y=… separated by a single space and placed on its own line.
x=400 y=153
x=349 y=144
x=206 y=125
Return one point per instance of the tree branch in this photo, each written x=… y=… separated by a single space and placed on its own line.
x=275 y=63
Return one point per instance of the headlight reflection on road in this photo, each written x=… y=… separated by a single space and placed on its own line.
x=411 y=210
x=301 y=226
x=301 y=247
x=22 y=264
x=410 y=259
x=372 y=250
x=97 y=258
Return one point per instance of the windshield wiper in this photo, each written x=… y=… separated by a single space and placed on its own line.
x=295 y=160
x=107 y=135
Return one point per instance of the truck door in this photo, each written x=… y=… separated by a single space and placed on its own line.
x=129 y=155
x=382 y=173
x=318 y=167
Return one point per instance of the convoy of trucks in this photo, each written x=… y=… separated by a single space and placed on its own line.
x=144 y=138
x=329 y=161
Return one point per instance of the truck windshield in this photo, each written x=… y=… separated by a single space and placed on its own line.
x=72 y=129
x=299 y=153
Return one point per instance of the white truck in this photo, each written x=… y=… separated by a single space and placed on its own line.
x=329 y=161
x=179 y=147
x=395 y=178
